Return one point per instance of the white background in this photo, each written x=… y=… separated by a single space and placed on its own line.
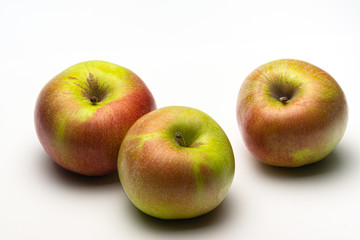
x=190 y=53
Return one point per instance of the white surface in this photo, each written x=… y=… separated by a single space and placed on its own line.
x=191 y=53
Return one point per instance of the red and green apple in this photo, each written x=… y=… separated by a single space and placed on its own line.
x=83 y=114
x=291 y=113
x=175 y=163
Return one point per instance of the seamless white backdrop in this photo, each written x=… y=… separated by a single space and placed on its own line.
x=191 y=53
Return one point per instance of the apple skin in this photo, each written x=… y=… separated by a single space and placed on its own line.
x=168 y=180
x=302 y=129
x=84 y=136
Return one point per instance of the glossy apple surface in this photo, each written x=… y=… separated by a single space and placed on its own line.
x=175 y=163
x=83 y=114
x=291 y=113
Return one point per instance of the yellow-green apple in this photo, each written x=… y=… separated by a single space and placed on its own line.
x=83 y=114
x=291 y=113
x=175 y=163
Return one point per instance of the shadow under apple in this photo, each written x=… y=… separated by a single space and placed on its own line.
x=64 y=176
x=331 y=164
x=217 y=216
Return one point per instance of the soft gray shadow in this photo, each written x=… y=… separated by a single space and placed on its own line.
x=64 y=176
x=333 y=163
x=217 y=216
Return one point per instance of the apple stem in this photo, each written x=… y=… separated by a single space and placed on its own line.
x=283 y=99
x=180 y=139
x=94 y=99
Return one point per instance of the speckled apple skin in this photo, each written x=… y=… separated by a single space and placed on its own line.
x=168 y=181
x=82 y=137
x=302 y=131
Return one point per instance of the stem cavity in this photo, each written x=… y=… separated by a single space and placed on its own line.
x=93 y=91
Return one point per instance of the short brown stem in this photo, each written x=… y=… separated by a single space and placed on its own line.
x=283 y=99
x=179 y=139
x=94 y=99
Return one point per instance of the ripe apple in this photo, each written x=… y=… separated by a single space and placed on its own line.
x=291 y=113
x=175 y=163
x=83 y=114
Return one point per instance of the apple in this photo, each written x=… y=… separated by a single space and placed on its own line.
x=291 y=113
x=83 y=113
x=175 y=163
